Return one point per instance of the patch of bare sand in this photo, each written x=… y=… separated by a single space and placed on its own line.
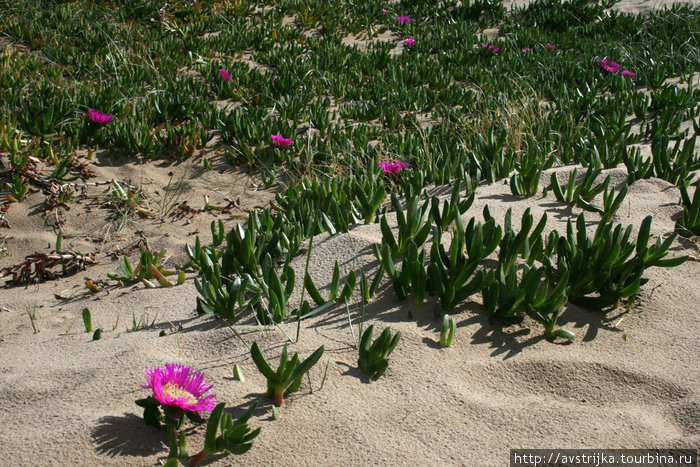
x=630 y=380
x=364 y=43
x=623 y=6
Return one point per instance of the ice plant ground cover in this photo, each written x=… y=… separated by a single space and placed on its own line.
x=216 y=84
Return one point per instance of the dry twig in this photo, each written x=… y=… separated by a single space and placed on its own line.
x=37 y=267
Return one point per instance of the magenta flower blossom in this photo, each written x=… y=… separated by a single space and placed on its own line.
x=393 y=167
x=384 y=10
x=280 y=141
x=550 y=46
x=225 y=75
x=99 y=117
x=409 y=41
x=403 y=20
x=179 y=389
x=527 y=50
x=491 y=48
x=631 y=74
x=609 y=65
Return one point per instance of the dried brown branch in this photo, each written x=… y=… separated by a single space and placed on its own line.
x=37 y=267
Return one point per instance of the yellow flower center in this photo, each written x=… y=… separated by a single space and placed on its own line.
x=177 y=392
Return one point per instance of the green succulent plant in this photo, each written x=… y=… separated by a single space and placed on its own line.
x=447 y=330
x=287 y=378
x=226 y=436
x=689 y=223
x=147 y=269
x=373 y=355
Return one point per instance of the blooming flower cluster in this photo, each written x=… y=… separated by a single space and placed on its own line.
x=550 y=46
x=491 y=48
x=613 y=67
x=178 y=388
x=225 y=75
x=409 y=41
x=608 y=65
x=403 y=20
x=280 y=141
x=393 y=167
x=99 y=117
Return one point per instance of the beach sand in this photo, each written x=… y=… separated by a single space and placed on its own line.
x=631 y=379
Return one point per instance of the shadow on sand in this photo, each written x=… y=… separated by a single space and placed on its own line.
x=127 y=436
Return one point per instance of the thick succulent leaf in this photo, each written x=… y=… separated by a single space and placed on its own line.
x=261 y=363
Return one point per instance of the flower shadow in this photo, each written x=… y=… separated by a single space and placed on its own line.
x=127 y=436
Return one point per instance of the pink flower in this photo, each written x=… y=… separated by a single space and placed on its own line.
x=527 y=50
x=609 y=65
x=403 y=20
x=384 y=11
x=179 y=389
x=280 y=141
x=550 y=46
x=225 y=75
x=409 y=41
x=99 y=117
x=491 y=48
x=628 y=73
x=393 y=167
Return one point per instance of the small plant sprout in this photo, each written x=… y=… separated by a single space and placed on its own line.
x=373 y=355
x=237 y=373
x=447 y=331
x=688 y=224
x=287 y=378
x=235 y=438
x=87 y=320
x=18 y=189
x=31 y=312
x=67 y=325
